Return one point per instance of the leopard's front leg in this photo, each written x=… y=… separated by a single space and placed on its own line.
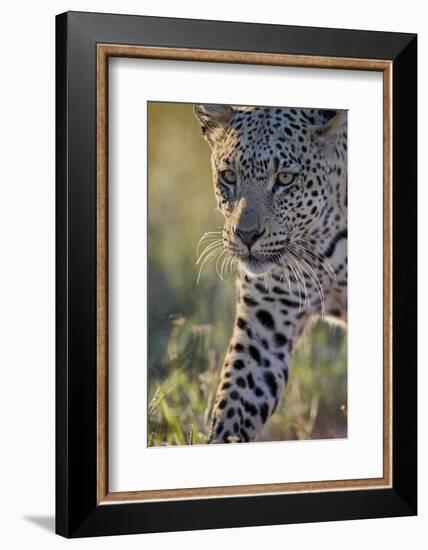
x=256 y=367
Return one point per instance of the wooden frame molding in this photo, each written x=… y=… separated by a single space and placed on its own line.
x=104 y=52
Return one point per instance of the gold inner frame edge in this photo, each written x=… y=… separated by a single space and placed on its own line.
x=104 y=52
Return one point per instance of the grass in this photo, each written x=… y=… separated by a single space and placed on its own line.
x=314 y=405
x=190 y=324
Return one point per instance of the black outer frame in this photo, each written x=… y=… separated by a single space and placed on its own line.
x=77 y=513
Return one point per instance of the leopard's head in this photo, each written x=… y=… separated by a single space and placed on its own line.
x=271 y=176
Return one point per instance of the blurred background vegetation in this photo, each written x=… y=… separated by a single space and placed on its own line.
x=190 y=324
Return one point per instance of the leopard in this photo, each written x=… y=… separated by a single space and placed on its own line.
x=280 y=182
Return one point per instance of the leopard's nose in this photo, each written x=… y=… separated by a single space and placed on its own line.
x=249 y=237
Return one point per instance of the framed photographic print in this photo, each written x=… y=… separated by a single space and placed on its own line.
x=236 y=274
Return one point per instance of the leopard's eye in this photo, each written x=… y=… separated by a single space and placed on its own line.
x=285 y=179
x=229 y=177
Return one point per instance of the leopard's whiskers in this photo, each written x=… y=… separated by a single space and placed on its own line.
x=285 y=279
x=267 y=282
x=296 y=278
x=223 y=263
x=311 y=273
x=210 y=238
x=232 y=264
x=324 y=264
x=211 y=255
x=224 y=251
x=316 y=283
x=215 y=250
x=211 y=246
x=302 y=278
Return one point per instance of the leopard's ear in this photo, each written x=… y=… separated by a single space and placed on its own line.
x=327 y=136
x=214 y=119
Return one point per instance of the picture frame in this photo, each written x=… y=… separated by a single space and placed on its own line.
x=84 y=44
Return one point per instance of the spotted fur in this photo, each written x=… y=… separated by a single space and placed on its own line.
x=280 y=180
